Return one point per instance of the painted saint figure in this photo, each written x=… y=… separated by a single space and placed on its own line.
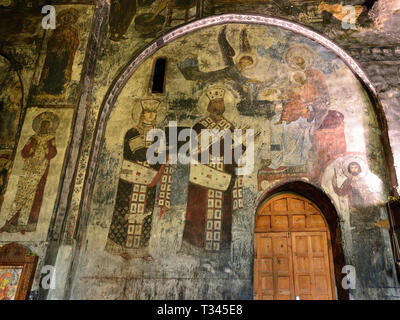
x=61 y=48
x=131 y=224
x=291 y=144
x=214 y=192
x=354 y=187
x=37 y=154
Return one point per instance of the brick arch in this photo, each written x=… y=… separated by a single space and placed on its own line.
x=325 y=205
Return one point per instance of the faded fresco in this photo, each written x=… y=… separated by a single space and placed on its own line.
x=148 y=17
x=308 y=126
x=29 y=199
x=10 y=117
x=57 y=79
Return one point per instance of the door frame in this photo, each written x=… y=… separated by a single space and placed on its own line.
x=329 y=213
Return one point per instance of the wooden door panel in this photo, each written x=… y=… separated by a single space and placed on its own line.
x=273 y=267
x=311 y=265
x=292 y=258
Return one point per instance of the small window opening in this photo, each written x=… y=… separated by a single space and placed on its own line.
x=158 y=81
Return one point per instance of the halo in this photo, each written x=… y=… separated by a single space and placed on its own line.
x=49 y=116
x=247 y=54
x=72 y=12
x=361 y=161
x=300 y=50
x=136 y=110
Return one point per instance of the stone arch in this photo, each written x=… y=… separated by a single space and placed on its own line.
x=325 y=204
x=120 y=81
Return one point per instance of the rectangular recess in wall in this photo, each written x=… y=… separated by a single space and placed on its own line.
x=158 y=77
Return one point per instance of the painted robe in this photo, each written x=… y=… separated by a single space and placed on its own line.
x=207 y=231
x=57 y=69
x=290 y=142
x=37 y=154
x=131 y=223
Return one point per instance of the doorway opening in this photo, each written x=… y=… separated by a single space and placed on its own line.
x=293 y=257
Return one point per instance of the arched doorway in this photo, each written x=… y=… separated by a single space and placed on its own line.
x=292 y=251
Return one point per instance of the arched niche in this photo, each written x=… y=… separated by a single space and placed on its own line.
x=328 y=210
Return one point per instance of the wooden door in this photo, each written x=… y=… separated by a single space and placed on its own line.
x=292 y=252
x=274 y=267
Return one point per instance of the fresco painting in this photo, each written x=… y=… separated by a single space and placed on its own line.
x=283 y=86
x=56 y=81
x=214 y=192
x=174 y=221
x=10 y=117
x=40 y=153
x=132 y=218
x=37 y=154
x=148 y=17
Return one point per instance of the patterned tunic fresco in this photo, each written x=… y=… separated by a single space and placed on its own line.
x=207 y=231
x=37 y=154
x=131 y=224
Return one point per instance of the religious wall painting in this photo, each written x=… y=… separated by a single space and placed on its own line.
x=35 y=172
x=148 y=16
x=305 y=132
x=10 y=118
x=232 y=73
x=351 y=180
x=9 y=280
x=214 y=192
x=21 y=27
x=37 y=153
x=136 y=200
x=319 y=136
x=57 y=79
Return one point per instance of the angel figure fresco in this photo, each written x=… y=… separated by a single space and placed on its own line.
x=232 y=73
x=131 y=223
x=37 y=154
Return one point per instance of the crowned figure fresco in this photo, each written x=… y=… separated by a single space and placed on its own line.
x=214 y=191
x=37 y=154
x=131 y=224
